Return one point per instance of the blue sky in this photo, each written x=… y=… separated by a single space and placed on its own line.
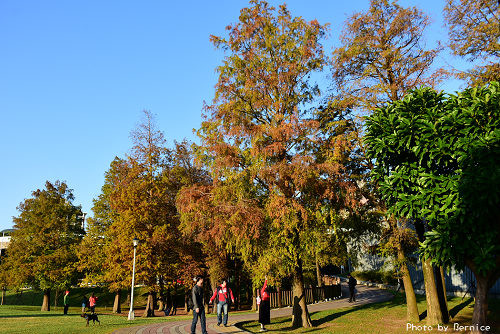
x=75 y=76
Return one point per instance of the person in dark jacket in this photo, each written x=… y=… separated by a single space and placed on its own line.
x=352 y=284
x=85 y=303
x=264 y=308
x=224 y=295
x=198 y=306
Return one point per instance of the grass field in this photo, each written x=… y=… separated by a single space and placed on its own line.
x=384 y=318
x=21 y=312
x=105 y=298
x=29 y=319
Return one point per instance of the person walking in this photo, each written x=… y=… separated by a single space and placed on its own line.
x=92 y=303
x=174 y=303
x=264 y=308
x=66 y=302
x=352 y=284
x=198 y=306
x=85 y=303
x=222 y=295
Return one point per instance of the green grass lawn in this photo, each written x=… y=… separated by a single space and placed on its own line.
x=384 y=318
x=105 y=298
x=29 y=319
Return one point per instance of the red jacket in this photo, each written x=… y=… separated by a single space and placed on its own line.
x=222 y=294
x=263 y=293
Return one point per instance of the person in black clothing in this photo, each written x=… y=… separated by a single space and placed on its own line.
x=352 y=283
x=198 y=306
x=85 y=303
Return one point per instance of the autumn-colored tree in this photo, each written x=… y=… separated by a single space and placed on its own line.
x=474 y=33
x=42 y=251
x=145 y=186
x=223 y=220
x=382 y=56
x=94 y=247
x=259 y=137
x=4 y=280
x=145 y=210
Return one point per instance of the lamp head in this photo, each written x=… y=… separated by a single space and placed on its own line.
x=135 y=242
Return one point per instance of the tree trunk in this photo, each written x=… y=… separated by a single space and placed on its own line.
x=483 y=285
x=56 y=295
x=300 y=315
x=46 y=300
x=3 y=295
x=254 y=299
x=237 y=296
x=434 y=315
x=318 y=273
x=150 y=305
x=411 y=301
x=161 y=302
x=117 y=308
x=213 y=286
x=441 y=289
x=161 y=299
x=280 y=302
x=479 y=315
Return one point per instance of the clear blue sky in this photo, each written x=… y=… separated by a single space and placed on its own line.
x=75 y=75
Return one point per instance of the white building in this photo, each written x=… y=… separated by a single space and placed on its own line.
x=4 y=240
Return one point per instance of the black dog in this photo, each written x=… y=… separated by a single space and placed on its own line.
x=91 y=316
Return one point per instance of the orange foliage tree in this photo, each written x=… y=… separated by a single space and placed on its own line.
x=259 y=142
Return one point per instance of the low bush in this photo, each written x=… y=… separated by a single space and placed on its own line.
x=376 y=276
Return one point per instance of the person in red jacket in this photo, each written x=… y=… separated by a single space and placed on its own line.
x=92 y=302
x=222 y=293
x=264 y=307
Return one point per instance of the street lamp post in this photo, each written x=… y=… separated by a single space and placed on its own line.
x=131 y=315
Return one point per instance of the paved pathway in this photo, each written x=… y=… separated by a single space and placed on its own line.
x=365 y=295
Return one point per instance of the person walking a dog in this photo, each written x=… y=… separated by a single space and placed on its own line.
x=85 y=303
x=92 y=303
x=66 y=302
x=198 y=306
x=222 y=294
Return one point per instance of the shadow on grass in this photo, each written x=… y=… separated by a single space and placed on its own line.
x=454 y=311
x=398 y=300
x=38 y=315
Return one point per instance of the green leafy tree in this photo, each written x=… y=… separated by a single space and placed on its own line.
x=437 y=160
x=383 y=56
x=145 y=209
x=93 y=250
x=42 y=251
x=474 y=33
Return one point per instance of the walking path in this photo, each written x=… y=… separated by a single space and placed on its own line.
x=365 y=295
